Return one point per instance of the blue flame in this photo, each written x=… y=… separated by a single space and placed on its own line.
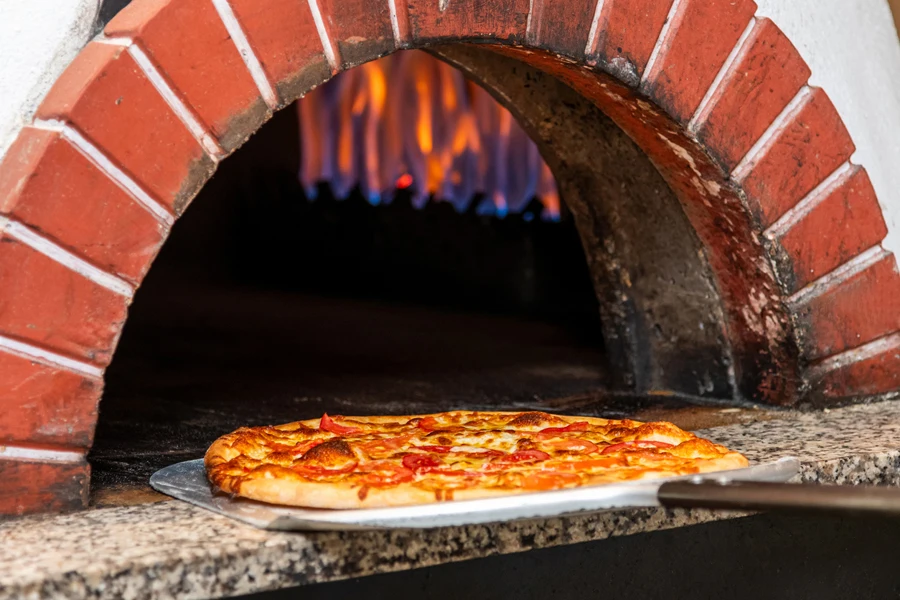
x=410 y=117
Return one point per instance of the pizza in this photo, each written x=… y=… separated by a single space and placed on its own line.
x=356 y=462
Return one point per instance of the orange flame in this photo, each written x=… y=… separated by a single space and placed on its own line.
x=412 y=121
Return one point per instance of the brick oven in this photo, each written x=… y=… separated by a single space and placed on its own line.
x=734 y=247
x=676 y=223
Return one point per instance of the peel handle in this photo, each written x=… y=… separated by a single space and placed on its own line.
x=783 y=497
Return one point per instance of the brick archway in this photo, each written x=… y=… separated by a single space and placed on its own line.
x=717 y=99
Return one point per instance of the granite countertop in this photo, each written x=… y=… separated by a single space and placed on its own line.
x=172 y=549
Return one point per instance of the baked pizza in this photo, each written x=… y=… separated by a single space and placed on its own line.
x=356 y=462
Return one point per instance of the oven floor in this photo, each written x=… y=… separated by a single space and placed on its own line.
x=221 y=358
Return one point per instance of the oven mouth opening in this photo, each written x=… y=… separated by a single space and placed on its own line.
x=281 y=295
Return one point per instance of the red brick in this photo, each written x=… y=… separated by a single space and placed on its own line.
x=49 y=185
x=761 y=84
x=811 y=146
x=106 y=96
x=35 y=487
x=360 y=28
x=48 y=304
x=562 y=26
x=626 y=36
x=285 y=40
x=46 y=405
x=877 y=374
x=188 y=42
x=847 y=222
x=861 y=309
x=468 y=19
x=700 y=39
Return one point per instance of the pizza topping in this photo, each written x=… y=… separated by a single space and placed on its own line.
x=577 y=426
x=328 y=458
x=523 y=456
x=328 y=424
x=450 y=472
x=624 y=446
x=478 y=453
x=429 y=424
x=313 y=470
x=331 y=457
x=424 y=464
x=420 y=461
x=385 y=445
x=473 y=451
x=384 y=473
x=332 y=450
x=574 y=445
x=301 y=449
x=436 y=427
x=439 y=449
x=334 y=455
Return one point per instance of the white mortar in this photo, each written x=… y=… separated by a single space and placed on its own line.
x=850 y=45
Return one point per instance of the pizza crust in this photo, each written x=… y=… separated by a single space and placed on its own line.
x=281 y=485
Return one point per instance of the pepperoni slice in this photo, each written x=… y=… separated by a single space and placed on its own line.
x=420 y=462
x=431 y=424
x=385 y=444
x=636 y=444
x=428 y=424
x=574 y=445
x=328 y=424
x=301 y=449
x=384 y=473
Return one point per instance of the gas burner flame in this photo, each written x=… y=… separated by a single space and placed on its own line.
x=412 y=122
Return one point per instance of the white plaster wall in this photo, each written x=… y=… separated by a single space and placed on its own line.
x=853 y=51
x=850 y=45
x=38 y=39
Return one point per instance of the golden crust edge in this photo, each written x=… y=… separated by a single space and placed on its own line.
x=219 y=453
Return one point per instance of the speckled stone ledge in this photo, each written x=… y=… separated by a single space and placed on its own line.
x=171 y=549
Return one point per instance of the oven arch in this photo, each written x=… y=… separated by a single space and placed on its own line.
x=789 y=229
